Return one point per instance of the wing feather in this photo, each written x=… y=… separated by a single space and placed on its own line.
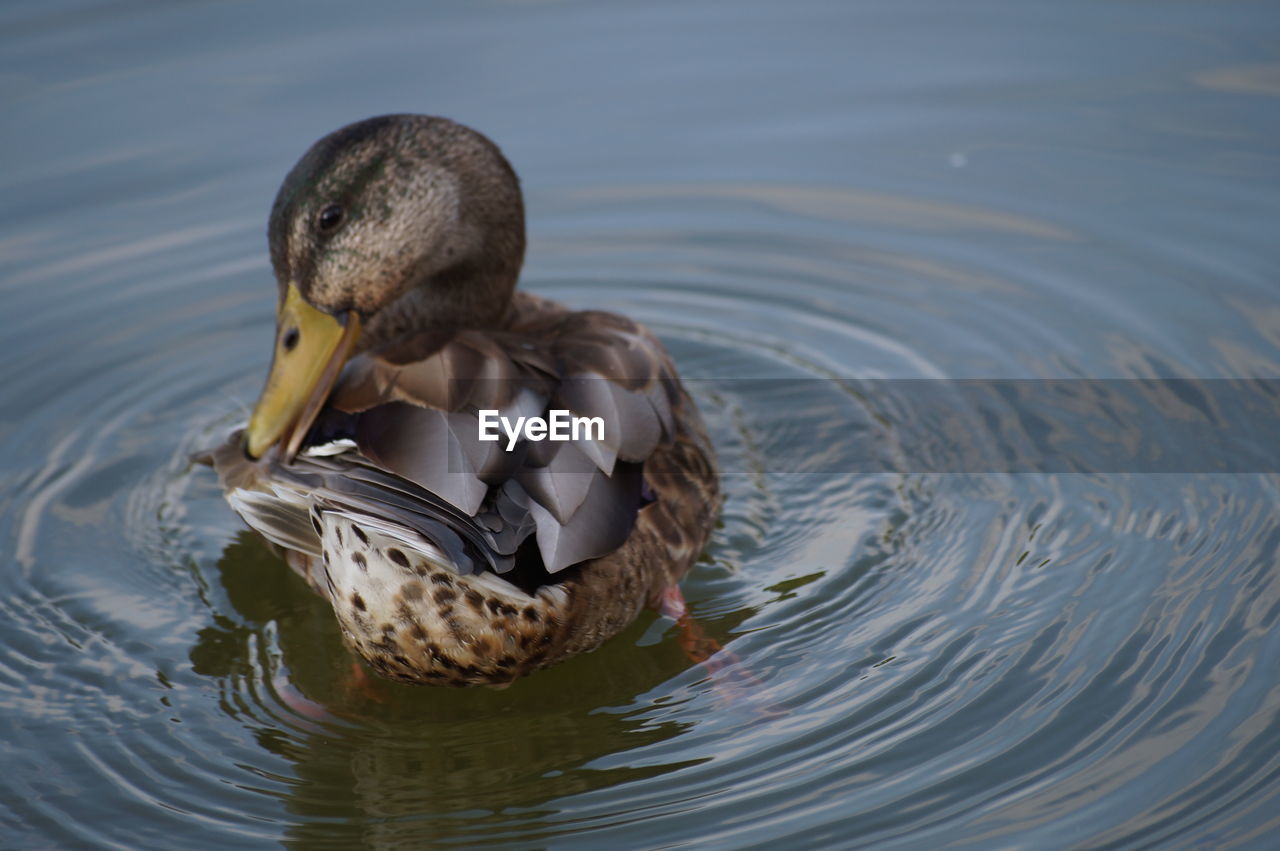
x=422 y=468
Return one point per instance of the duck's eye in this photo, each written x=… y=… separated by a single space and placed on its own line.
x=330 y=217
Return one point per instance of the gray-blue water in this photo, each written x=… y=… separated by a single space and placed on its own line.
x=804 y=199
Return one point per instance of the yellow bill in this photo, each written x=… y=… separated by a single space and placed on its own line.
x=311 y=347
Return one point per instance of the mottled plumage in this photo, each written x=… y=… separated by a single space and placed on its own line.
x=448 y=559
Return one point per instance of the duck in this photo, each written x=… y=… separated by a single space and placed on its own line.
x=453 y=552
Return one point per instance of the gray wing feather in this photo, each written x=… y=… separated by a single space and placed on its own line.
x=422 y=465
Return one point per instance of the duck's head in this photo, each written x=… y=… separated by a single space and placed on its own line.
x=392 y=227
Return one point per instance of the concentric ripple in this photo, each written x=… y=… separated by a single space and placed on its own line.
x=921 y=650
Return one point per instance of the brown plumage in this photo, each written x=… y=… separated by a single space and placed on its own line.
x=448 y=559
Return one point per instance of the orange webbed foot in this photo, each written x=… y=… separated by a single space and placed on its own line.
x=731 y=679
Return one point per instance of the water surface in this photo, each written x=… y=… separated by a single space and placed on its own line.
x=822 y=208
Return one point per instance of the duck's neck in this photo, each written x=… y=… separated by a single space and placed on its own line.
x=427 y=316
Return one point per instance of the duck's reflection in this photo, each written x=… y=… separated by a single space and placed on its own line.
x=382 y=763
